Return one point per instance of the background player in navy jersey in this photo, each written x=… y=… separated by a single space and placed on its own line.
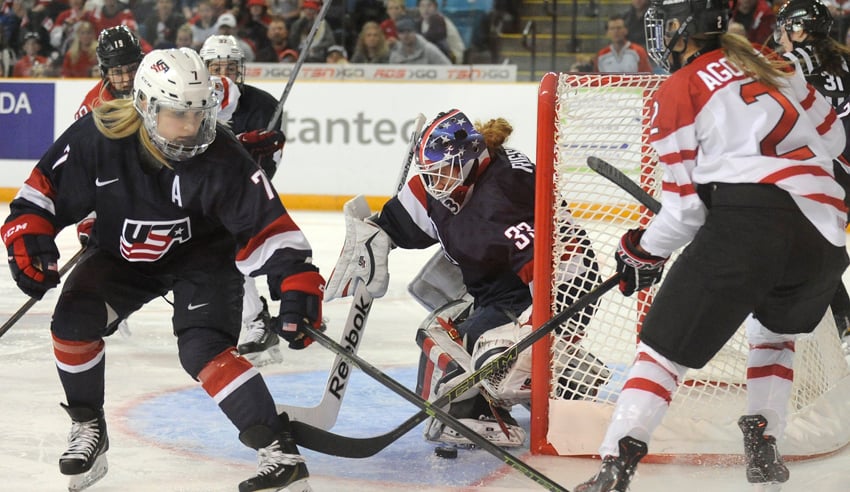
x=747 y=148
x=475 y=197
x=181 y=207
x=254 y=111
x=802 y=30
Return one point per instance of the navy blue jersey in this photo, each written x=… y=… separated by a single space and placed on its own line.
x=209 y=210
x=253 y=112
x=491 y=237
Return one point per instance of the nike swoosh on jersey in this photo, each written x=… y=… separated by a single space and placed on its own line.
x=192 y=307
x=98 y=182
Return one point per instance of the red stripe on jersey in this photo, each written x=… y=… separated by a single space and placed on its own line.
x=776 y=370
x=74 y=353
x=282 y=224
x=678 y=157
x=643 y=384
x=40 y=183
x=526 y=273
x=792 y=171
x=418 y=189
x=829 y=200
x=683 y=190
x=824 y=127
x=809 y=99
x=225 y=368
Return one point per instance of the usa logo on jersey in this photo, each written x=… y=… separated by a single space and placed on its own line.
x=150 y=240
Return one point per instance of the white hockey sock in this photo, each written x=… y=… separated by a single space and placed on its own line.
x=644 y=400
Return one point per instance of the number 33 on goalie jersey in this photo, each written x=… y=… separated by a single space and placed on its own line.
x=713 y=123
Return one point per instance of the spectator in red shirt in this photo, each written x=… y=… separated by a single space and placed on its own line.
x=395 y=10
x=63 y=28
x=114 y=13
x=30 y=65
x=757 y=17
x=621 y=56
x=277 y=49
x=82 y=53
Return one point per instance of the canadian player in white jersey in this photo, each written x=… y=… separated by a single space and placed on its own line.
x=747 y=148
x=802 y=32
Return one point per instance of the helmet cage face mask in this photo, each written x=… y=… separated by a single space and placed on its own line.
x=175 y=84
x=810 y=16
x=221 y=48
x=669 y=21
x=447 y=153
x=118 y=55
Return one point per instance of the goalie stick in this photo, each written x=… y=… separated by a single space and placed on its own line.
x=437 y=412
x=32 y=300
x=619 y=178
x=324 y=415
x=327 y=442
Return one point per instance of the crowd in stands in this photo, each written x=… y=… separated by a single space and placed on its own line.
x=753 y=19
x=57 y=38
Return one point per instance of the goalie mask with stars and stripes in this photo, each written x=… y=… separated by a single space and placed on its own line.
x=449 y=154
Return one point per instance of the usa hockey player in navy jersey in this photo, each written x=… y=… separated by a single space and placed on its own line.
x=475 y=197
x=181 y=207
x=747 y=148
x=254 y=110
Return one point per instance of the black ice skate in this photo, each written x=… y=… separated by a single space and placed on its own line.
x=279 y=465
x=617 y=471
x=85 y=459
x=500 y=428
x=764 y=463
x=261 y=345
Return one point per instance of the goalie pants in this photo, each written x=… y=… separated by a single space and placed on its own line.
x=486 y=318
x=102 y=290
x=756 y=253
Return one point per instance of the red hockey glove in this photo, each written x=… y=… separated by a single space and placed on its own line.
x=637 y=268
x=33 y=255
x=300 y=306
x=262 y=143
x=84 y=228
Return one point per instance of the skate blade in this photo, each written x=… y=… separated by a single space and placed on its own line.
x=266 y=357
x=85 y=480
x=767 y=487
x=297 y=486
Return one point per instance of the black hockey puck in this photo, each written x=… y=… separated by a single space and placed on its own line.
x=448 y=452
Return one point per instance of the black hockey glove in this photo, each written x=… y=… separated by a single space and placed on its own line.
x=637 y=268
x=300 y=306
x=262 y=143
x=33 y=255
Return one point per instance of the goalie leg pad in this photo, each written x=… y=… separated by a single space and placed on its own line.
x=511 y=385
x=364 y=256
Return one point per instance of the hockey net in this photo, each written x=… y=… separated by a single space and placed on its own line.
x=606 y=116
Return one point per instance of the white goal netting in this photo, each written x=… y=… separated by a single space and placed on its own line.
x=607 y=116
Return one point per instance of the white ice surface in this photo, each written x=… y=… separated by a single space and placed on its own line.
x=144 y=367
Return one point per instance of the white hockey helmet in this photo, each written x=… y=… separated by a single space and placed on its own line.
x=221 y=48
x=176 y=79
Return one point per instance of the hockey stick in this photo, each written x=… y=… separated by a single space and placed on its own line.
x=356 y=447
x=320 y=16
x=435 y=410
x=617 y=177
x=324 y=415
x=32 y=300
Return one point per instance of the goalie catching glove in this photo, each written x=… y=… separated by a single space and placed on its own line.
x=262 y=143
x=300 y=306
x=637 y=268
x=33 y=255
x=364 y=258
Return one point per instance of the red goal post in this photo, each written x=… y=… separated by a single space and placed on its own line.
x=575 y=383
